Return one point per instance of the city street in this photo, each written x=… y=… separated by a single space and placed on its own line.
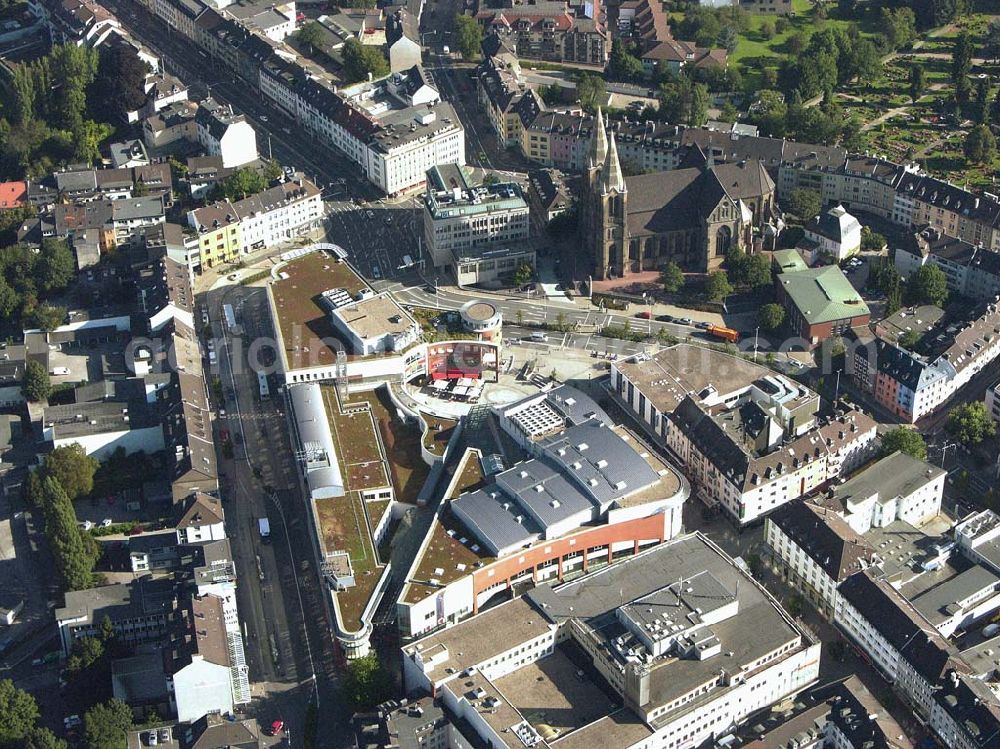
x=288 y=640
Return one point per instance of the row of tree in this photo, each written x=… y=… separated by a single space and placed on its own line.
x=66 y=474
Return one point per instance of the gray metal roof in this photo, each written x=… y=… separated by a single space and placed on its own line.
x=545 y=493
x=945 y=600
x=493 y=519
x=316 y=441
x=599 y=462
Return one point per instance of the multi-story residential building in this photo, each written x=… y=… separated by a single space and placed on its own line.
x=748 y=437
x=80 y=22
x=834 y=233
x=993 y=401
x=202 y=519
x=225 y=229
x=279 y=213
x=207 y=667
x=551 y=30
x=645 y=24
x=965 y=713
x=820 y=303
x=815 y=550
x=218 y=229
x=971 y=270
x=687 y=643
x=506 y=98
x=901 y=644
x=395 y=128
x=549 y=195
x=463 y=219
x=179 y=15
x=912 y=385
x=223 y=133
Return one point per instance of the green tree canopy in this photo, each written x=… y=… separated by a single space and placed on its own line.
x=48 y=316
x=243 y=183
x=870 y=240
x=73 y=551
x=35 y=384
x=468 y=36
x=805 y=202
x=929 y=285
x=87 y=652
x=717 y=286
x=523 y=274
x=106 y=725
x=980 y=145
x=771 y=316
x=672 y=277
x=310 y=35
x=118 y=85
x=918 y=81
x=591 y=90
x=624 y=65
x=970 y=423
x=366 y=683
x=18 y=713
x=72 y=468
x=43 y=738
x=904 y=440
x=55 y=266
x=362 y=60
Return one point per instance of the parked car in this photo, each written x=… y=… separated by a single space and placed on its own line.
x=665 y=318
x=106 y=523
x=686 y=321
x=86 y=525
x=703 y=325
x=277 y=727
x=644 y=315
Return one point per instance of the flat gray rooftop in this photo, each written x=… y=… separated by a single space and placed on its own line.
x=757 y=629
x=896 y=475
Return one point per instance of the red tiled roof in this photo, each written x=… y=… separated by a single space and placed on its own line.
x=12 y=194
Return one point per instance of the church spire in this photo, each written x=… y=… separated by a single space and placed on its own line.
x=598 y=141
x=612 y=179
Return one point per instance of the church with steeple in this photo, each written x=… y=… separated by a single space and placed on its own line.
x=692 y=215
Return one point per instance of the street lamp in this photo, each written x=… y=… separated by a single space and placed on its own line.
x=756 y=332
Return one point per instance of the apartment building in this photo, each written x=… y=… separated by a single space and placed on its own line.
x=748 y=437
x=139 y=611
x=228 y=229
x=395 y=128
x=902 y=645
x=912 y=385
x=815 y=550
x=657 y=627
x=971 y=270
x=222 y=132
x=965 y=713
x=551 y=30
x=506 y=98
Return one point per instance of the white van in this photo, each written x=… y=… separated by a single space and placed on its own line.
x=59 y=371
x=539 y=337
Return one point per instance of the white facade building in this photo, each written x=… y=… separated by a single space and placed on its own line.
x=279 y=213
x=223 y=133
x=203 y=520
x=993 y=402
x=836 y=233
x=695 y=402
x=376 y=325
x=675 y=695
x=395 y=128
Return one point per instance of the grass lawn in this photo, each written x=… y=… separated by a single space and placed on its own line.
x=438 y=433
x=402 y=444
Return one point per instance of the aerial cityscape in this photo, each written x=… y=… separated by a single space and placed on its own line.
x=499 y=374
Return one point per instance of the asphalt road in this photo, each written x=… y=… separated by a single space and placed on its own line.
x=277 y=135
x=288 y=640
